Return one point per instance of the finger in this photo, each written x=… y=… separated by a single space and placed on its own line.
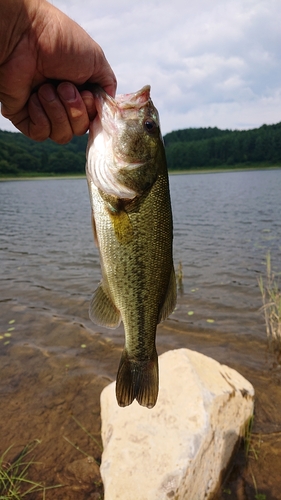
x=106 y=80
x=89 y=102
x=31 y=120
x=39 y=126
x=61 y=131
x=110 y=88
x=75 y=107
x=103 y=74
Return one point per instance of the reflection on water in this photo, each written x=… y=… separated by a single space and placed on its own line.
x=54 y=361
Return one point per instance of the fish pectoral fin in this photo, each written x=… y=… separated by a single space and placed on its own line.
x=170 y=299
x=137 y=379
x=122 y=226
x=102 y=310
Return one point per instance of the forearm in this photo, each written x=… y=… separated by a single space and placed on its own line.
x=16 y=17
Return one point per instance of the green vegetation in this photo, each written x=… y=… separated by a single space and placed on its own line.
x=212 y=147
x=252 y=444
x=98 y=483
x=20 y=156
x=14 y=481
x=193 y=148
x=88 y=434
x=271 y=297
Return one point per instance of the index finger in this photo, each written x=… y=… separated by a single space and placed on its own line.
x=105 y=78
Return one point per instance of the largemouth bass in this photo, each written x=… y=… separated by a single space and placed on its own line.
x=132 y=222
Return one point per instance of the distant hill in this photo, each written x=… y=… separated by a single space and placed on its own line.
x=194 y=134
x=211 y=147
x=19 y=155
x=191 y=148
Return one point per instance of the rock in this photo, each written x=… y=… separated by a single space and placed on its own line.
x=179 y=449
x=84 y=471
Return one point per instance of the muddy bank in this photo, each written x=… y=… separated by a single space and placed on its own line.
x=53 y=368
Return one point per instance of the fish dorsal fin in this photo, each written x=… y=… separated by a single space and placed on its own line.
x=102 y=310
x=170 y=299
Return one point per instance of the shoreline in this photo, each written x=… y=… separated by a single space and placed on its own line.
x=43 y=178
x=217 y=170
x=221 y=170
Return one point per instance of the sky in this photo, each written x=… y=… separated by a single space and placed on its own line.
x=209 y=62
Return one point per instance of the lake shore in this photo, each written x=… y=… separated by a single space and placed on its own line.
x=62 y=393
x=217 y=170
x=42 y=178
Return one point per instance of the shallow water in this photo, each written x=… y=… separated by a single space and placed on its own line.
x=54 y=362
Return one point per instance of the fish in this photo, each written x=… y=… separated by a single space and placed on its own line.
x=129 y=192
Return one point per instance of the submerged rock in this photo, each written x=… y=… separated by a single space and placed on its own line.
x=180 y=448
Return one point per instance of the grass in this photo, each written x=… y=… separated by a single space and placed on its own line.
x=252 y=446
x=97 y=483
x=258 y=496
x=271 y=298
x=14 y=481
x=88 y=434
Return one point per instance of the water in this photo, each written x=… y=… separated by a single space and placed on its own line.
x=224 y=226
x=54 y=361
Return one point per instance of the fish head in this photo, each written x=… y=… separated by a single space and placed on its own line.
x=125 y=149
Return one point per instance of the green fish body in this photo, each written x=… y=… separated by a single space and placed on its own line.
x=132 y=219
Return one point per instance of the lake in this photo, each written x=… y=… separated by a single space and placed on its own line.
x=54 y=362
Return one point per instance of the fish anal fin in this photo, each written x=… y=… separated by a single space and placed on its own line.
x=170 y=301
x=137 y=379
x=102 y=310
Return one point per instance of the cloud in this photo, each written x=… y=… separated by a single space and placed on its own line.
x=209 y=62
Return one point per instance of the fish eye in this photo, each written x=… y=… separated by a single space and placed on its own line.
x=150 y=125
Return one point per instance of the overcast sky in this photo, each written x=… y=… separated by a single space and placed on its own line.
x=209 y=62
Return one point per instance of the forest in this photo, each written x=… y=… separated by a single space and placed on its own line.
x=191 y=148
x=21 y=156
x=211 y=147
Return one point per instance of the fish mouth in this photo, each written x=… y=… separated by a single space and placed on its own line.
x=124 y=101
x=109 y=108
x=135 y=99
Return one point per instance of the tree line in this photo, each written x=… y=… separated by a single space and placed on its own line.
x=19 y=155
x=191 y=148
x=212 y=147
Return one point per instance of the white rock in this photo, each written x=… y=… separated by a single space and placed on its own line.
x=178 y=449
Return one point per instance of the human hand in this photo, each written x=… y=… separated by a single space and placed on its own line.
x=46 y=46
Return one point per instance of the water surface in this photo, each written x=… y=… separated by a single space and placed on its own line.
x=54 y=362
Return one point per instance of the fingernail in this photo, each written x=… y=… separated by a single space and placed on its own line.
x=67 y=92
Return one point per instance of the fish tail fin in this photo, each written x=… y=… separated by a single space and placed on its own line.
x=137 y=379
